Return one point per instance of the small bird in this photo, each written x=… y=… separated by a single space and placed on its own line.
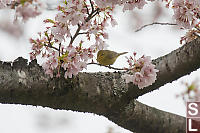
x=107 y=57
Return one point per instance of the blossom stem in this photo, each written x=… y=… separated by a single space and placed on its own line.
x=50 y=46
x=92 y=5
x=59 y=48
x=75 y=35
x=87 y=9
x=121 y=69
x=83 y=33
x=91 y=15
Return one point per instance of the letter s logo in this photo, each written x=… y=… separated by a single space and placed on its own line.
x=193 y=107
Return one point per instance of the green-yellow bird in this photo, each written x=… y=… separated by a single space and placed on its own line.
x=107 y=57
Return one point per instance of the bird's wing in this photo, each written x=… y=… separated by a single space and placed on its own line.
x=111 y=56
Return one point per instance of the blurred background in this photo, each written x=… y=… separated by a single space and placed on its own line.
x=154 y=41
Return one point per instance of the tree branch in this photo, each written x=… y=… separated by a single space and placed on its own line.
x=80 y=33
x=91 y=3
x=101 y=93
x=50 y=46
x=97 y=93
x=154 y=23
x=90 y=16
x=172 y=66
x=75 y=35
x=110 y=67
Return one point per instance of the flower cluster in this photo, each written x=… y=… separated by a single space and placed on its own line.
x=73 y=60
x=127 y=4
x=191 y=34
x=131 y=4
x=186 y=15
x=73 y=12
x=4 y=3
x=85 y=17
x=24 y=8
x=52 y=44
x=192 y=92
x=141 y=72
x=186 y=12
x=15 y=29
x=29 y=8
x=89 y=18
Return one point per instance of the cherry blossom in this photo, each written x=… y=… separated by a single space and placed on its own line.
x=51 y=63
x=131 y=4
x=186 y=12
x=13 y=28
x=142 y=71
x=107 y=3
x=190 y=36
x=192 y=91
x=28 y=9
x=4 y=3
x=113 y=22
x=90 y=19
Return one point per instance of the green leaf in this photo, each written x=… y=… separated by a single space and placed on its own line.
x=63 y=56
x=51 y=21
x=46 y=34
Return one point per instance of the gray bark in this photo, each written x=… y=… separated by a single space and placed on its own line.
x=100 y=93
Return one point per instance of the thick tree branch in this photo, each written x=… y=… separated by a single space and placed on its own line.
x=172 y=66
x=101 y=93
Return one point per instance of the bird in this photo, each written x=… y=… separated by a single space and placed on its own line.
x=107 y=57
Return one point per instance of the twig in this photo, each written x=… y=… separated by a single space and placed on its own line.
x=83 y=33
x=92 y=5
x=154 y=23
x=59 y=48
x=50 y=46
x=87 y=8
x=97 y=12
x=75 y=35
x=90 y=16
x=122 y=69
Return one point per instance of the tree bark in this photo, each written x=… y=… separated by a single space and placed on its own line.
x=100 y=93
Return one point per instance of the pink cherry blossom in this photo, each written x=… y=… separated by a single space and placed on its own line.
x=113 y=22
x=15 y=29
x=100 y=44
x=186 y=12
x=183 y=18
x=29 y=9
x=142 y=72
x=131 y=4
x=4 y=3
x=190 y=36
x=191 y=92
x=107 y=3
x=56 y=44
x=59 y=31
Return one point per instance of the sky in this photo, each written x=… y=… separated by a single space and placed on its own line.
x=154 y=41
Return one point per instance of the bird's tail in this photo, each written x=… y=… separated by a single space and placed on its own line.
x=123 y=53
